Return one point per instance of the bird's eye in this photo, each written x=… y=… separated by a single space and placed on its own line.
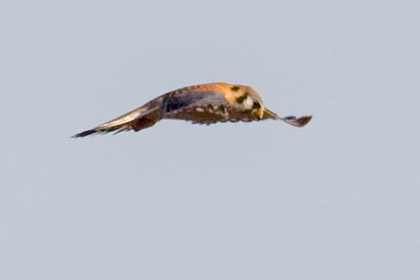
x=256 y=105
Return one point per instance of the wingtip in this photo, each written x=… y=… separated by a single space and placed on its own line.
x=304 y=120
x=84 y=133
x=298 y=122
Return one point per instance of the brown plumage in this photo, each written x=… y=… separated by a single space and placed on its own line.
x=203 y=104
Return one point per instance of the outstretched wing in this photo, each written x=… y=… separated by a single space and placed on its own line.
x=199 y=105
x=211 y=103
x=140 y=118
x=292 y=120
x=203 y=104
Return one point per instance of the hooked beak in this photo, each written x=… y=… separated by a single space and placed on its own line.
x=267 y=114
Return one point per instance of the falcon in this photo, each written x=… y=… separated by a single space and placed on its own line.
x=202 y=104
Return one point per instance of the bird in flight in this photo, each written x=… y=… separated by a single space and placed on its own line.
x=202 y=104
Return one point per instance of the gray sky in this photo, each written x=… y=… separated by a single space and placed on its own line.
x=338 y=199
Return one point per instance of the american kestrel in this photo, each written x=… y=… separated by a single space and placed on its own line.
x=203 y=104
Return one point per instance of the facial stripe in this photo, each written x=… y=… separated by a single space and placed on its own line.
x=242 y=98
x=256 y=105
x=235 y=88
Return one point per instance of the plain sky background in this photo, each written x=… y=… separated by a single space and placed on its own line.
x=338 y=199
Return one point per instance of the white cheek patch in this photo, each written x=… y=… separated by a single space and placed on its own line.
x=248 y=102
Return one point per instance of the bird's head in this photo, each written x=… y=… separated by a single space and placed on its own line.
x=247 y=100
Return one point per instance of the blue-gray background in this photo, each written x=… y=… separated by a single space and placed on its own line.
x=338 y=199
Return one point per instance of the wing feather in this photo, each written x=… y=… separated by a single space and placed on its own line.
x=122 y=123
x=140 y=118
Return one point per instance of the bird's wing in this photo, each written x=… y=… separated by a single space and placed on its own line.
x=140 y=118
x=292 y=120
x=199 y=105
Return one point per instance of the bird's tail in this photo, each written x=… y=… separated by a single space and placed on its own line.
x=292 y=120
